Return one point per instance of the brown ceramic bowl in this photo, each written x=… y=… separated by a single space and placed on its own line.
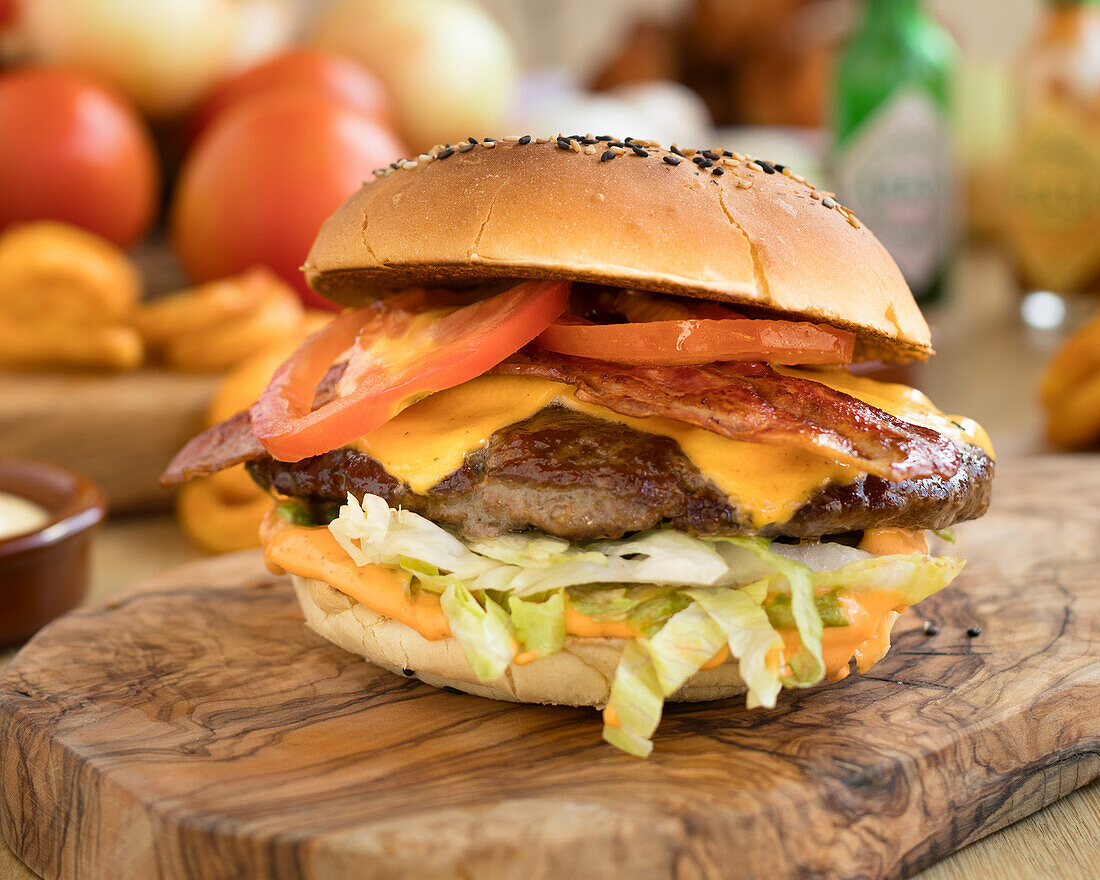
x=45 y=573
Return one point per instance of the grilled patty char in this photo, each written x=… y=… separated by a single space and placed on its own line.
x=581 y=478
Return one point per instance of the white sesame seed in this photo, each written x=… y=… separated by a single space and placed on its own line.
x=618 y=150
x=756 y=167
x=589 y=149
x=489 y=144
x=512 y=138
x=408 y=164
x=542 y=140
x=744 y=182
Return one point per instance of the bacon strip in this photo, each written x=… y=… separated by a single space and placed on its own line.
x=740 y=400
x=750 y=401
x=232 y=441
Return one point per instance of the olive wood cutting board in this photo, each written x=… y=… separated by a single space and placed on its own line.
x=194 y=728
x=120 y=430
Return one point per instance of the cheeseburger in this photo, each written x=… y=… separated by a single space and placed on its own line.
x=588 y=432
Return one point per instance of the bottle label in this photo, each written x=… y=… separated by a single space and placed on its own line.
x=1053 y=195
x=896 y=172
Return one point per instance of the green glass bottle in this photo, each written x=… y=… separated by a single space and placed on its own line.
x=893 y=159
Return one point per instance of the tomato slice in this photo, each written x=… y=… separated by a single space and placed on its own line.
x=401 y=350
x=700 y=341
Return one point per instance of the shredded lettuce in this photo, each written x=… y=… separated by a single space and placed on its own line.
x=807 y=665
x=602 y=603
x=634 y=709
x=913 y=578
x=484 y=632
x=828 y=606
x=540 y=626
x=654 y=608
x=750 y=637
x=657 y=667
x=687 y=598
x=294 y=512
x=525 y=565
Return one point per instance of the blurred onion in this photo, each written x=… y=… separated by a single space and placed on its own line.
x=551 y=102
x=448 y=66
x=162 y=53
x=672 y=111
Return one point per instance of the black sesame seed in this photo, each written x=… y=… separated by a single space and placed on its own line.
x=638 y=151
x=974 y=632
x=699 y=160
x=671 y=160
x=394 y=165
x=446 y=153
x=563 y=143
x=489 y=140
x=676 y=150
x=588 y=141
x=828 y=203
x=408 y=672
x=929 y=628
x=616 y=144
x=608 y=155
x=526 y=139
x=628 y=140
x=604 y=137
x=472 y=140
x=710 y=154
x=717 y=172
x=727 y=153
x=780 y=168
x=451 y=690
x=767 y=166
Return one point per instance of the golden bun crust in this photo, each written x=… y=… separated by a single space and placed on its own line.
x=578 y=675
x=767 y=240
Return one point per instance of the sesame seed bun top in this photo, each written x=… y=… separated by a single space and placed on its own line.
x=704 y=224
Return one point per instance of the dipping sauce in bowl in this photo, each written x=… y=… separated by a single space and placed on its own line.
x=19 y=515
x=47 y=516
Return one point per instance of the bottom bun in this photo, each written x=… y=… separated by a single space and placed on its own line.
x=578 y=675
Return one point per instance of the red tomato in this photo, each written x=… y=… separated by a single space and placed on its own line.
x=402 y=349
x=265 y=175
x=72 y=151
x=666 y=343
x=323 y=72
x=8 y=13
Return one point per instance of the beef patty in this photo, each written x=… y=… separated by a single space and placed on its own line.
x=581 y=478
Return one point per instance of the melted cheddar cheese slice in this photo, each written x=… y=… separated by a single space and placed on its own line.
x=430 y=439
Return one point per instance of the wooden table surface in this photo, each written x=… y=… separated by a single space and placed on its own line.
x=986 y=368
